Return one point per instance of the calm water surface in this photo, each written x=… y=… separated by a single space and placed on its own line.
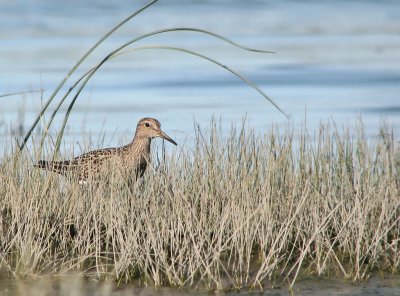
x=336 y=60
x=72 y=285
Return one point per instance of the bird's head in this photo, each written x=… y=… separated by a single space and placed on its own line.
x=151 y=128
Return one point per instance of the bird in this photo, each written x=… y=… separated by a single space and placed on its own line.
x=134 y=155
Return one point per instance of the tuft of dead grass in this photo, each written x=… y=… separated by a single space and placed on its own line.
x=229 y=211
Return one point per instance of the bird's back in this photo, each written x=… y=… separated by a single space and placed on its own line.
x=93 y=162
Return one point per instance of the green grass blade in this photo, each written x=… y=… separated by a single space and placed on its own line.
x=81 y=60
x=237 y=74
x=197 y=30
x=21 y=93
x=115 y=53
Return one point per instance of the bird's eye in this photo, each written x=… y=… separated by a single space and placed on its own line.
x=147 y=124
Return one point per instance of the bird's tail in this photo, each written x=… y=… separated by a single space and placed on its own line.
x=60 y=167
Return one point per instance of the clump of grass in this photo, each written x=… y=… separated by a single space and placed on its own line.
x=234 y=211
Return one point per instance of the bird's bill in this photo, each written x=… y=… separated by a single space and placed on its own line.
x=166 y=137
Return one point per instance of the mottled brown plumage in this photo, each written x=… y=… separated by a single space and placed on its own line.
x=134 y=155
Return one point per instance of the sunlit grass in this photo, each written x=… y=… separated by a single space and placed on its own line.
x=229 y=211
x=238 y=210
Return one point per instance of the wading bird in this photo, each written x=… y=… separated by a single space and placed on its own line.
x=133 y=156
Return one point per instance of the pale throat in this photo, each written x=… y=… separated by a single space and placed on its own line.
x=140 y=146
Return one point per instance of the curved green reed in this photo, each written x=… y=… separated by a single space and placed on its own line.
x=116 y=53
x=148 y=35
x=73 y=69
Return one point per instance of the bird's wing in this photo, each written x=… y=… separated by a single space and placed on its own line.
x=96 y=157
x=92 y=161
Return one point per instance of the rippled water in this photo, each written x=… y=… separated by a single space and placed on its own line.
x=335 y=60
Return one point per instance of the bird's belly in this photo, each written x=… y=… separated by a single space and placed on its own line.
x=135 y=167
x=119 y=167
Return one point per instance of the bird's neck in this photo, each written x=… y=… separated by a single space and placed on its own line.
x=140 y=145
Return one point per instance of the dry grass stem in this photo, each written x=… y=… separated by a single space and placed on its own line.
x=229 y=211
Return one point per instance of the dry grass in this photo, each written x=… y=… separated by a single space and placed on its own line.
x=229 y=211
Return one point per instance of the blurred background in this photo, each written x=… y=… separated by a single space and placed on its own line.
x=336 y=60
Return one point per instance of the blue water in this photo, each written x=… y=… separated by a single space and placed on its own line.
x=336 y=60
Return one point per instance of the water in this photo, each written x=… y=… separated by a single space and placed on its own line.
x=336 y=60
x=75 y=285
